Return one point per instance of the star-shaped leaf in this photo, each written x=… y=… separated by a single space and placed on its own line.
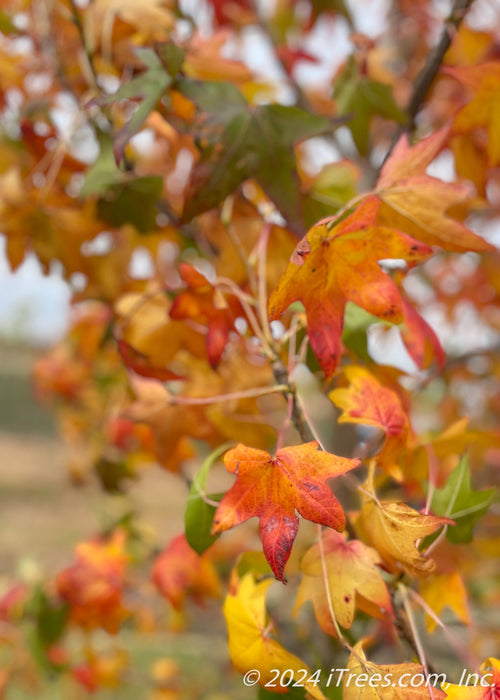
x=419 y=204
x=457 y=500
x=238 y=143
x=275 y=488
x=339 y=262
x=353 y=581
x=394 y=529
x=369 y=681
x=251 y=645
x=483 y=110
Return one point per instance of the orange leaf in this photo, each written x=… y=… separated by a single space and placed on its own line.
x=484 y=108
x=339 y=262
x=179 y=571
x=93 y=586
x=204 y=303
x=419 y=204
x=274 y=488
x=140 y=364
x=368 y=402
x=353 y=581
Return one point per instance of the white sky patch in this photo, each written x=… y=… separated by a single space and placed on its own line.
x=33 y=307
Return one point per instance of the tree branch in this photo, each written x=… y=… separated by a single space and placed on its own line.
x=429 y=71
x=426 y=76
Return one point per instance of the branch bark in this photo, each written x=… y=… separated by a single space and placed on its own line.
x=426 y=76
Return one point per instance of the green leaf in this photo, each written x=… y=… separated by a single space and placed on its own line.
x=50 y=616
x=292 y=693
x=132 y=201
x=361 y=98
x=459 y=502
x=238 y=143
x=148 y=87
x=123 y=197
x=199 y=514
x=333 y=187
x=356 y=324
x=7 y=26
x=254 y=563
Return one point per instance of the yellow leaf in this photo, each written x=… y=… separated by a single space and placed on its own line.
x=394 y=529
x=369 y=681
x=250 y=645
x=445 y=590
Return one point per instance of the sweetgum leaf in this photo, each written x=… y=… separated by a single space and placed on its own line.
x=275 y=489
x=199 y=514
x=361 y=98
x=336 y=262
x=457 y=500
x=123 y=197
x=149 y=86
x=238 y=142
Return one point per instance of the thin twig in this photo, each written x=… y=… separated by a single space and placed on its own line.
x=235 y=395
x=461 y=649
x=77 y=20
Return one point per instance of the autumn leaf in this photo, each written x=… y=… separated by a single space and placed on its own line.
x=369 y=681
x=457 y=500
x=251 y=645
x=179 y=572
x=394 y=530
x=445 y=591
x=275 y=488
x=483 y=685
x=353 y=581
x=244 y=143
x=206 y=304
x=420 y=339
x=483 y=110
x=419 y=204
x=339 y=262
x=368 y=402
x=139 y=363
x=93 y=586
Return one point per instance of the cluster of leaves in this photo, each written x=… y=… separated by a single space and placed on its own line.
x=179 y=193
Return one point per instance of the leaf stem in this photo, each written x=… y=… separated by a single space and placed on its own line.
x=461 y=649
x=247 y=394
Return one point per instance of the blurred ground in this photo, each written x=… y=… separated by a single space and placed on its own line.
x=42 y=517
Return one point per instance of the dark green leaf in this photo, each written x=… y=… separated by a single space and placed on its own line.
x=124 y=198
x=112 y=474
x=459 y=502
x=237 y=143
x=292 y=694
x=199 y=514
x=132 y=201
